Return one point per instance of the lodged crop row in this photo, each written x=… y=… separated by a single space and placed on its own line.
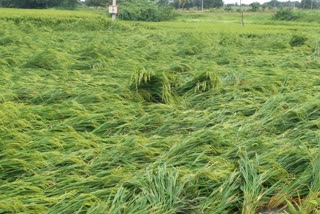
x=188 y=116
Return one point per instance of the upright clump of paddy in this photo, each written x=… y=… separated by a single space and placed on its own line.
x=297 y=40
x=151 y=87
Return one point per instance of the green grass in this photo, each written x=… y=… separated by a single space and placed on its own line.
x=197 y=115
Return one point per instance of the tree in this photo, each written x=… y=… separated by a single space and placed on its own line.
x=182 y=3
x=70 y=3
x=282 y=4
x=213 y=3
x=310 y=4
x=185 y=4
x=97 y=3
x=39 y=3
x=272 y=4
x=217 y=3
x=255 y=6
x=163 y=2
x=146 y=10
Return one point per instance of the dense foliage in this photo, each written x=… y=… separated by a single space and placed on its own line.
x=144 y=10
x=96 y=3
x=281 y=4
x=255 y=6
x=286 y=14
x=186 y=4
x=310 y=4
x=305 y=4
x=38 y=3
x=197 y=115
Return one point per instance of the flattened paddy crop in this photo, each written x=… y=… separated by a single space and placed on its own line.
x=171 y=117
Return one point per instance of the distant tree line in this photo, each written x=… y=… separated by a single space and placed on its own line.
x=38 y=3
x=186 y=4
x=179 y=4
x=182 y=4
x=310 y=4
x=304 y=4
x=98 y=3
x=255 y=6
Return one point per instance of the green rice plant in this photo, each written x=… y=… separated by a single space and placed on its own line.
x=141 y=117
x=56 y=19
x=159 y=191
x=315 y=187
x=286 y=14
x=297 y=40
x=296 y=162
x=191 y=44
x=8 y=40
x=310 y=203
x=181 y=67
x=152 y=87
x=123 y=201
x=91 y=56
x=295 y=208
x=233 y=78
x=49 y=60
x=252 y=186
x=224 y=197
x=164 y=191
x=202 y=82
x=229 y=40
x=316 y=50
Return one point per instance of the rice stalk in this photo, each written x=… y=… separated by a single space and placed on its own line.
x=202 y=82
x=152 y=87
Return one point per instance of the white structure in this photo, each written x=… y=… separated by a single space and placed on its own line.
x=113 y=9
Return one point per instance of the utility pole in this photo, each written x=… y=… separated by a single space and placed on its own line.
x=114 y=3
x=202 y=5
x=241 y=21
x=113 y=9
